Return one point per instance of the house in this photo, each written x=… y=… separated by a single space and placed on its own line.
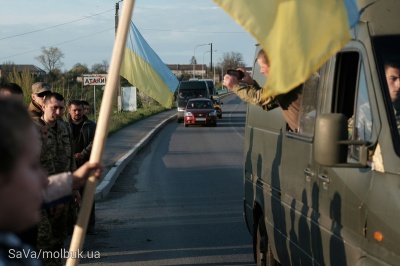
x=200 y=71
x=34 y=70
x=179 y=70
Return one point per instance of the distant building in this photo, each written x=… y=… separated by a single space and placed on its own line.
x=34 y=70
x=199 y=71
x=179 y=70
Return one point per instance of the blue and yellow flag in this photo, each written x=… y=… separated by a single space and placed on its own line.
x=143 y=68
x=298 y=36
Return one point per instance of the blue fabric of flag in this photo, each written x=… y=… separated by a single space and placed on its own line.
x=144 y=69
x=352 y=12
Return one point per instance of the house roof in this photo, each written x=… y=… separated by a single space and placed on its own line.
x=186 y=67
x=20 y=68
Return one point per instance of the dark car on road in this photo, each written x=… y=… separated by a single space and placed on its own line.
x=189 y=90
x=200 y=111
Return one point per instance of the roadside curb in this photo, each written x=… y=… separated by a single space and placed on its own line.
x=108 y=181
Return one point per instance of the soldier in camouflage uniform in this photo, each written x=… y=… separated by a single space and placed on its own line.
x=57 y=157
x=39 y=92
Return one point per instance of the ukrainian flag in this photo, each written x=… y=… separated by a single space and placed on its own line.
x=143 y=68
x=299 y=36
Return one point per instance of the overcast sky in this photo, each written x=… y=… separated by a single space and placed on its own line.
x=84 y=30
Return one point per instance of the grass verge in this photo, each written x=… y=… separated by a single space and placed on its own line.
x=122 y=119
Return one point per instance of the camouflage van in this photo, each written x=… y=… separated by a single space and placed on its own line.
x=328 y=193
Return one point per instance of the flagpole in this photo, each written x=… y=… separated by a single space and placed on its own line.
x=101 y=132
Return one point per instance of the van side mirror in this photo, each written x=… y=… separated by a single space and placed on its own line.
x=331 y=142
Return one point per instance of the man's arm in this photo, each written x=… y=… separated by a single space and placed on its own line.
x=61 y=185
x=249 y=91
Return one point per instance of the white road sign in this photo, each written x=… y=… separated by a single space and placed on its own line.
x=94 y=80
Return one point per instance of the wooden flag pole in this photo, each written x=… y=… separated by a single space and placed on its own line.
x=75 y=250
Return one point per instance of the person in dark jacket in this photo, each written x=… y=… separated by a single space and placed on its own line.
x=83 y=131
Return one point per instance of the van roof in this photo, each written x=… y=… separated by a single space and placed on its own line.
x=193 y=84
x=382 y=16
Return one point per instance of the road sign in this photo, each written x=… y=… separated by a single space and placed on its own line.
x=94 y=80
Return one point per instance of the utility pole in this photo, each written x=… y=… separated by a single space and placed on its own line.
x=119 y=100
x=211 y=69
x=116 y=17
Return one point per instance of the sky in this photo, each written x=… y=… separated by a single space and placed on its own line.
x=85 y=30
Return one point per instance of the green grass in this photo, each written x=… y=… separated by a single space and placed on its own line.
x=120 y=120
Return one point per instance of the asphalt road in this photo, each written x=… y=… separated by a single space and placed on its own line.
x=180 y=200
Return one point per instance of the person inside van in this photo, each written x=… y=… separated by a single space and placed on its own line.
x=392 y=73
x=364 y=116
x=250 y=91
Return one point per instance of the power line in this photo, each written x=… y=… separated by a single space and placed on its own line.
x=62 y=24
x=51 y=27
x=61 y=43
x=194 y=31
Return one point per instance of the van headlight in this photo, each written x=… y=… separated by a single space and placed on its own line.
x=212 y=113
x=181 y=109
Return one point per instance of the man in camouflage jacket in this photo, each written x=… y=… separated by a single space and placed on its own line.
x=57 y=157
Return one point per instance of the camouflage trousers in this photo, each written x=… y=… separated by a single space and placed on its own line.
x=52 y=233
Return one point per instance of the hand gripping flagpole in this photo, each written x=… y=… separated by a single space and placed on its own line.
x=101 y=132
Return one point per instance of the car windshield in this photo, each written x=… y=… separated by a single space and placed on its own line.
x=199 y=105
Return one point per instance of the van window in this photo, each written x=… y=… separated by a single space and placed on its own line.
x=363 y=125
x=362 y=129
x=308 y=109
x=387 y=52
x=351 y=99
x=344 y=87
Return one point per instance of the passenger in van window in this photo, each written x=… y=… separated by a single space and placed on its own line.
x=392 y=73
x=364 y=115
x=250 y=91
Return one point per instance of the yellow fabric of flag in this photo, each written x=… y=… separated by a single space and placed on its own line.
x=298 y=36
x=144 y=69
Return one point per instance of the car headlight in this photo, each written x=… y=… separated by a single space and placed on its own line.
x=212 y=113
x=188 y=114
x=181 y=109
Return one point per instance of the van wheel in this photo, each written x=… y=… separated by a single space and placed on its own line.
x=262 y=250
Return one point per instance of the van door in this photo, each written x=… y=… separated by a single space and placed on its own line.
x=298 y=182
x=342 y=191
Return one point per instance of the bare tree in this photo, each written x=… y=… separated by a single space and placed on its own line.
x=232 y=60
x=51 y=58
